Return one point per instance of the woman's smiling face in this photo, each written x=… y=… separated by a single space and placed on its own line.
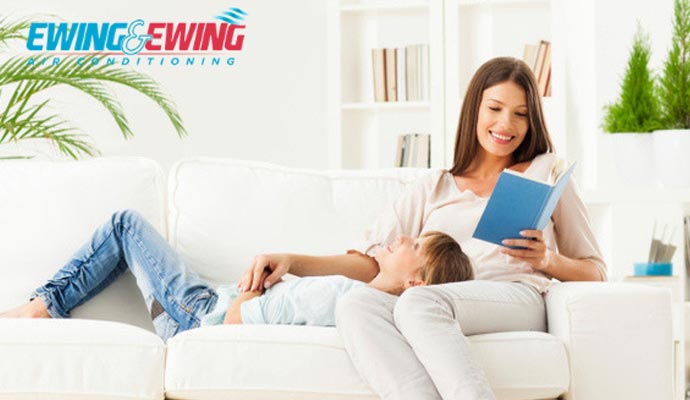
x=502 y=122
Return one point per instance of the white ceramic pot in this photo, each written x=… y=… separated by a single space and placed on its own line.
x=634 y=159
x=672 y=155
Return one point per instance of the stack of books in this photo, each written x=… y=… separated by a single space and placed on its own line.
x=401 y=74
x=538 y=57
x=414 y=150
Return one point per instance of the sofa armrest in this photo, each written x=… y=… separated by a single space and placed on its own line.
x=618 y=337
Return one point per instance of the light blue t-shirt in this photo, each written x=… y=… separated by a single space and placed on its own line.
x=303 y=301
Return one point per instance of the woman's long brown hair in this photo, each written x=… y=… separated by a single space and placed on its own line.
x=493 y=72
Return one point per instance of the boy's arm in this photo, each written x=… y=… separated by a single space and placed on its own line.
x=233 y=315
x=269 y=268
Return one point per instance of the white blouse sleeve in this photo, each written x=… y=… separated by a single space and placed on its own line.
x=572 y=229
x=404 y=216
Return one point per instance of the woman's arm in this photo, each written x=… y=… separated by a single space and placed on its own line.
x=551 y=263
x=267 y=269
x=568 y=269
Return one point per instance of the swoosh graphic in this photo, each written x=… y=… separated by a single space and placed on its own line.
x=233 y=16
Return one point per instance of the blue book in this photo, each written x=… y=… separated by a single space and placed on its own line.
x=518 y=203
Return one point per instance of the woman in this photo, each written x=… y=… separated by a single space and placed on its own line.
x=414 y=346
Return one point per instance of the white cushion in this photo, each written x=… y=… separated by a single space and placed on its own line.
x=523 y=365
x=79 y=359
x=224 y=212
x=49 y=209
x=260 y=361
x=619 y=337
x=296 y=362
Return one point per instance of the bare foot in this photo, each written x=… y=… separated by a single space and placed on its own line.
x=36 y=308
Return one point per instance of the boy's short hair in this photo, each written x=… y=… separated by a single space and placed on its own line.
x=445 y=261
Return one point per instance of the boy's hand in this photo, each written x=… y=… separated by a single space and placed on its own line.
x=234 y=315
x=266 y=270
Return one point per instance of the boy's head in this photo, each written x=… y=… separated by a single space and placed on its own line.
x=432 y=258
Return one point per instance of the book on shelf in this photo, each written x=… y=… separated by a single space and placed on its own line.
x=411 y=78
x=529 y=56
x=378 y=61
x=391 y=75
x=545 y=69
x=686 y=251
x=401 y=73
x=400 y=151
x=519 y=202
x=424 y=71
x=539 y=61
x=538 y=57
x=547 y=90
x=413 y=150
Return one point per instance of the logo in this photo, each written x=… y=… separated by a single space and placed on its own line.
x=140 y=43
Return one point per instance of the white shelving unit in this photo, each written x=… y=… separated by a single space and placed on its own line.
x=363 y=133
x=462 y=34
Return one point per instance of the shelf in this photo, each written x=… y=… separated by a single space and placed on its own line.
x=393 y=105
x=410 y=6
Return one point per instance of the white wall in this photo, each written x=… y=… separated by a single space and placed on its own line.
x=270 y=106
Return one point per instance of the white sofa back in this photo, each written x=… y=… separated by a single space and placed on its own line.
x=224 y=212
x=219 y=215
x=49 y=209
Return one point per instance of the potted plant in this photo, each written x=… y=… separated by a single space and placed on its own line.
x=672 y=145
x=24 y=118
x=633 y=117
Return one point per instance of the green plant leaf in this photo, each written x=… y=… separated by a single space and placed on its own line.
x=31 y=122
x=13 y=30
x=637 y=108
x=674 y=83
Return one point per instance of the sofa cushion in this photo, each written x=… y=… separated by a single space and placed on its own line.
x=79 y=359
x=296 y=362
x=49 y=209
x=224 y=212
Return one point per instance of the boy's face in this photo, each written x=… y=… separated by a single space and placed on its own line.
x=403 y=258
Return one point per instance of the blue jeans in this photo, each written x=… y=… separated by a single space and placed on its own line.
x=176 y=297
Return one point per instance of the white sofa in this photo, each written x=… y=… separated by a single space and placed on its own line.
x=605 y=340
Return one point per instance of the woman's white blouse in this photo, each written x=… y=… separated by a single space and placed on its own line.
x=435 y=203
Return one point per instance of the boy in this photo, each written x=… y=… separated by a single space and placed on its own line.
x=431 y=259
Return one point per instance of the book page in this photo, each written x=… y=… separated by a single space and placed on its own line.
x=558 y=168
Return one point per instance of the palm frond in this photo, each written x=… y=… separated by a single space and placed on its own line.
x=28 y=122
x=145 y=85
x=16 y=158
x=23 y=119
x=88 y=77
x=13 y=30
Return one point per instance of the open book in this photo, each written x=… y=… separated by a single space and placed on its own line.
x=519 y=202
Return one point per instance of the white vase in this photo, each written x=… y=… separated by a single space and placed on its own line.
x=672 y=155
x=634 y=159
